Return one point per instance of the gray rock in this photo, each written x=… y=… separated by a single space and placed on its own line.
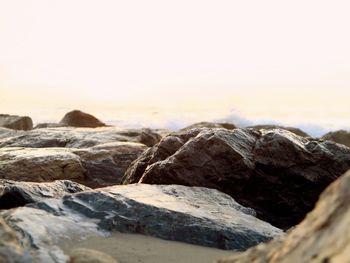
x=48 y=125
x=204 y=124
x=294 y=130
x=341 y=136
x=77 y=118
x=16 y=122
x=322 y=237
x=14 y=193
x=70 y=137
x=189 y=214
x=266 y=170
x=95 y=167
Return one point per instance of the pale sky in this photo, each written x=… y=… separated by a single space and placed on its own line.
x=283 y=60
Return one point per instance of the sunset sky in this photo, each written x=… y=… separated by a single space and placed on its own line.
x=172 y=61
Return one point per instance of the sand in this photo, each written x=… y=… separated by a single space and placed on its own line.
x=134 y=248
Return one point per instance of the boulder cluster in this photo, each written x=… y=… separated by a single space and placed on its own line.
x=273 y=194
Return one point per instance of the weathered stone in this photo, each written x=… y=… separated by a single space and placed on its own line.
x=266 y=170
x=323 y=236
x=77 y=118
x=15 y=193
x=205 y=124
x=341 y=136
x=83 y=255
x=77 y=137
x=294 y=130
x=188 y=214
x=95 y=167
x=16 y=122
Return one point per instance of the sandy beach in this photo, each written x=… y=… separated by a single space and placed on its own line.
x=134 y=248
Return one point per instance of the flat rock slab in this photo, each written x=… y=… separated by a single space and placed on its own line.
x=188 y=214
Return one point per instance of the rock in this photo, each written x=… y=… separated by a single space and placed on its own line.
x=5 y=132
x=14 y=193
x=48 y=125
x=83 y=255
x=78 y=137
x=95 y=167
x=11 y=250
x=341 y=136
x=266 y=170
x=323 y=236
x=205 y=124
x=77 y=118
x=188 y=214
x=296 y=131
x=16 y=122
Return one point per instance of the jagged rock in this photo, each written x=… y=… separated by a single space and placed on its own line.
x=16 y=122
x=266 y=170
x=296 y=131
x=98 y=166
x=78 y=137
x=83 y=255
x=323 y=236
x=15 y=193
x=11 y=250
x=341 y=136
x=205 y=124
x=189 y=214
x=77 y=118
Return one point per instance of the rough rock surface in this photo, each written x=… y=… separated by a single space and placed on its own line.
x=16 y=122
x=266 y=170
x=48 y=125
x=98 y=166
x=205 y=124
x=77 y=137
x=341 y=136
x=15 y=193
x=77 y=118
x=189 y=214
x=296 y=131
x=324 y=235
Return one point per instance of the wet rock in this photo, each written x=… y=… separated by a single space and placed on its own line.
x=341 y=136
x=11 y=250
x=83 y=255
x=188 y=214
x=296 y=131
x=204 y=124
x=266 y=170
x=16 y=122
x=77 y=118
x=324 y=235
x=78 y=137
x=14 y=193
x=95 y=167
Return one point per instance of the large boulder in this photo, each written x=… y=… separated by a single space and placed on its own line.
x=16 y=122
x=14 y=193
x=341 y=136
x=77 y=137
x=294 y=130
x=266 y=170
x=188 y=214
x=95 y=167
x=324 y=235
x=205 y=124
x=77 y=118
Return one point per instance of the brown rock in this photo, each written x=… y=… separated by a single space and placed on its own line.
x=341 y=136
x=16 y=122
x=265 y=170
x=296 y=131
x=324 y=235
x=78 y=118
x=84 y=255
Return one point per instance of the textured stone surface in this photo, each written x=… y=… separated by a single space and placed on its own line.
x=189 y=214
x=341 y=136
x=204 y=124
x=98 y=166
x=296 y=131
x=83 y=255
x=324 y=235
x=266 y=170
x=16 y=122
x=15 y=193
x=77 y=118
x=77 y=137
